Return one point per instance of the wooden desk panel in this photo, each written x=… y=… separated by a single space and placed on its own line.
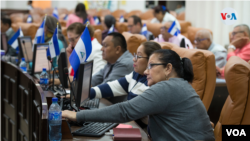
x=24 y=109
x=9 y=101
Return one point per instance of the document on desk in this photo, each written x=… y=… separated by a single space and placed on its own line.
x=41 y=60
x=127 y=134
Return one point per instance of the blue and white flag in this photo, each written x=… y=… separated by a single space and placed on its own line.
x=40 y=35
x=96 y=19
x=144 y=30
x=81 y=51
x=65 y=18
x=55 y=13
x=13 y=42
x=54 y=50
x=111 y=29
x=121 y=20
x=174 y=30
x=29 y=19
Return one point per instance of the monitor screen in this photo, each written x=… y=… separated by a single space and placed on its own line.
x=25 y=47
x=4 y=45
x=86 y=82
x=82 y=84
x=40 y=60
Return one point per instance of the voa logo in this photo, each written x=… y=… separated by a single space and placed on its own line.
x=228 y=16
x=236 y=132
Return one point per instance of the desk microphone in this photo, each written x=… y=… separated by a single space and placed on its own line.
x=50 y=60
x=66 y=71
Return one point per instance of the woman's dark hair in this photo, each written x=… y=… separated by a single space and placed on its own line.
x=109 y=20
x=183 y=67
x=80 y=11
x=160 y=8
x=6 y=20
x=78 y=28
x=51 y=24
x=150 y=47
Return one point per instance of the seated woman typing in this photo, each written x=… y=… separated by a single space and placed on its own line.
x=174 y=108
x=132 y=84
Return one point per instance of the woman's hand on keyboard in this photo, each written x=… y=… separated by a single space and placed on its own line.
x=70 y=115
x=67 y=96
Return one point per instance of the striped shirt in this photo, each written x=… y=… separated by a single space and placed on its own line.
x=132 y=85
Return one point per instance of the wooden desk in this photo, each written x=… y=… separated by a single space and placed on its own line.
x=104 y=103
x=24 y=108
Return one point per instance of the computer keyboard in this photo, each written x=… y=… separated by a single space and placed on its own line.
x=93 y=103
x=95 y=129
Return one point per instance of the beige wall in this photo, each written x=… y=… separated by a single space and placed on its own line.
x=206 y=14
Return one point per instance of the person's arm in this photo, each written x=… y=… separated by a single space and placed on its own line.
x=239 y=44
x=154 y=20
x=156 y=39
x=91 y=20
x=220 y=58
x=69 y=21
x=152 y=101
x=97 y=78
x=243 y=54
x=112 y=89
x=69 y=51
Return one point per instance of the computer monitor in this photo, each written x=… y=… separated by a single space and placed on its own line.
x=82 y=85
x=62 y=63
x=25 y=48
x=40 y=60
x=4 y=45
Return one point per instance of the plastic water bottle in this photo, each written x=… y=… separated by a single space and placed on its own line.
x=44 y=79
x=55 y=121
x=23 y=65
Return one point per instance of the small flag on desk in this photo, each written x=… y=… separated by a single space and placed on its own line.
x=111 y=29
x=39 y=38
x=174 y=30
x=54 y=50
x=65 y=18
x=121 y=20
x=81 y=51
x=29 y=19
x=144 y=30
x=96 y=19
x=55 y=13
x=13 y=42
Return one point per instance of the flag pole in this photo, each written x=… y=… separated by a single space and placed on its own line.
x=44 y=28
x=57 y=30
x=87 y=24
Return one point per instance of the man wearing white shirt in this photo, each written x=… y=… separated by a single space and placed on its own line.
x=179 y=40
x=6 y=28
x=74 y=32
x=162 y=15
x=203 y=40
